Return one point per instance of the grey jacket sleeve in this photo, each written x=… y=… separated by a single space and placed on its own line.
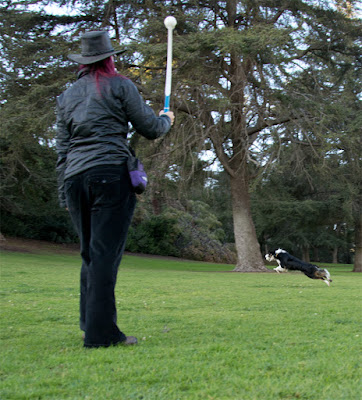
x=142 y=117
x=62 y=144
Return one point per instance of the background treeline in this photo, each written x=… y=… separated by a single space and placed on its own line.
x=300 y=109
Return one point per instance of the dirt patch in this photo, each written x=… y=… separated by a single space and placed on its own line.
x=41 y=246
x=37 y=246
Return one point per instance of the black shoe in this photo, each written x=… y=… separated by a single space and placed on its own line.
x=130 y=340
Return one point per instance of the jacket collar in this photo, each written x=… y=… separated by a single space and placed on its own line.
x=82 y=72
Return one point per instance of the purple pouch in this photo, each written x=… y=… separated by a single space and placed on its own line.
x=137 y=174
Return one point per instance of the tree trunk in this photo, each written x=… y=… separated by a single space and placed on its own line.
x=316 y=254
x=249 y=258
x=305 y=252
x=335 y=255
x=358 y=242
x=156 y=204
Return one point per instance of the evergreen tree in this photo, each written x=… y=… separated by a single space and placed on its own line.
x=301 y=205
x=31 y=74
x=245 y=72
x=241 y=68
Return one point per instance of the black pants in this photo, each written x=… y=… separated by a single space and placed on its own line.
x=101 y=204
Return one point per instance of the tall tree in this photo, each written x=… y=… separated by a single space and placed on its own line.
x=301 y=204
x=346 y=141
x=33 y=72
x=241 y=68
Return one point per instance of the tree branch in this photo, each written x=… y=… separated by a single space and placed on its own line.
x=221 y=155
x=252 y=132
x=276 y=16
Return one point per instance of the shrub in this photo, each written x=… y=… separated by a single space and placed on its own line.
x=192 y=233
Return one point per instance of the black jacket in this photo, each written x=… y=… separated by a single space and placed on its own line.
x=92 y=124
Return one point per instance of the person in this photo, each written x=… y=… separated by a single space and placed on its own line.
x=93 y=181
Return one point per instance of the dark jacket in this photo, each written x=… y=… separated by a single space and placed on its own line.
x=92 y=124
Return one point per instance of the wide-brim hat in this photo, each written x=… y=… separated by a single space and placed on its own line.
x=95 y=46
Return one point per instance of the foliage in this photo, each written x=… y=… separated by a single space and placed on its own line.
x=31 y=75
x=249 y=78
x=310 y=192
x=192 y=232
x=155 y=235
x=210 y=328
x=302 y=203
x=54 y=227
x=243 y=68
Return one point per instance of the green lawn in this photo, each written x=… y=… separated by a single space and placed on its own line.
x=203 y=333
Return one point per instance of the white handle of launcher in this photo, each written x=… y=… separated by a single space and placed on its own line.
x=170 y=23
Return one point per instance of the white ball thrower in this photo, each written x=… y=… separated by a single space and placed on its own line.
x=170 y=23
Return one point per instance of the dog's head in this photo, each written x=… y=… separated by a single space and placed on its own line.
x=270 y=256
x=324 y=275
x=273 y=255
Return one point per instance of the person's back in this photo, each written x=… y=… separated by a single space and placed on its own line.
x=93 y=117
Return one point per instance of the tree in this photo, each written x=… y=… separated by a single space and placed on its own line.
x=345 y=124
x=301 y=204
x=241 y=68
x=244 y=73
x=325 y=154
x=29 y=78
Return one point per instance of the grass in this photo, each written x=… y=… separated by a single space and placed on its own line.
x=203 y=334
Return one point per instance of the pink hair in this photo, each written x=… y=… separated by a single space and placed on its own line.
x=100 y=69
x=104 y=67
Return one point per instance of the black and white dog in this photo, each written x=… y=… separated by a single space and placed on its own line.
x=288 y=262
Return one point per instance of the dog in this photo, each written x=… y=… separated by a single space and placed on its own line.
x=288 y=262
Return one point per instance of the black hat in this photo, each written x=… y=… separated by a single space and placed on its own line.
x=96 y=46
